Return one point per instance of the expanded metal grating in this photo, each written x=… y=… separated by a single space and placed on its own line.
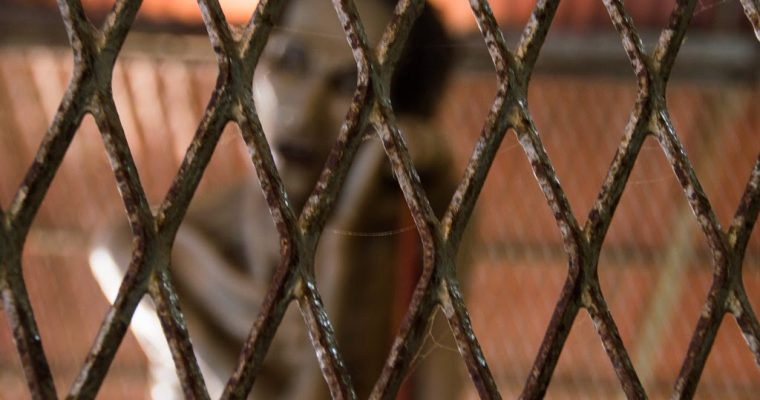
x=95 y=53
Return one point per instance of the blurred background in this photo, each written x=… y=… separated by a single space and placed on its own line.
x=654 y=265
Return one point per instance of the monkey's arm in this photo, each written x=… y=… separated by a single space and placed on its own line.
x=218 y=298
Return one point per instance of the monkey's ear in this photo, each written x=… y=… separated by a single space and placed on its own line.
x=432 y=159
x=424 y=66
x=429 y=149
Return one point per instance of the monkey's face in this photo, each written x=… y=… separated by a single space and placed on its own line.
x=303 y=87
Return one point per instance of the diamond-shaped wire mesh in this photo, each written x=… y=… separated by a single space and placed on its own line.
x=90 y=93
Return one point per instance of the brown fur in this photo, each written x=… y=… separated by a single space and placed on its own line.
x=227 y=249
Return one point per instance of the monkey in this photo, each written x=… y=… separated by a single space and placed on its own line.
x=227 y=249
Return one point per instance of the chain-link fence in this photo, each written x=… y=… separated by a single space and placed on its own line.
x=657 y=287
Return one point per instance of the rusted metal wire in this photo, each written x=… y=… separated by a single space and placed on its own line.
x=95 y=52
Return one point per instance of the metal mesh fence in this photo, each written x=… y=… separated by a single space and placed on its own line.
x=655 y=283
x=508 y=127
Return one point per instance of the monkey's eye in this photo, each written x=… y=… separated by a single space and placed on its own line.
x=343 y=81
x=292 y=59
